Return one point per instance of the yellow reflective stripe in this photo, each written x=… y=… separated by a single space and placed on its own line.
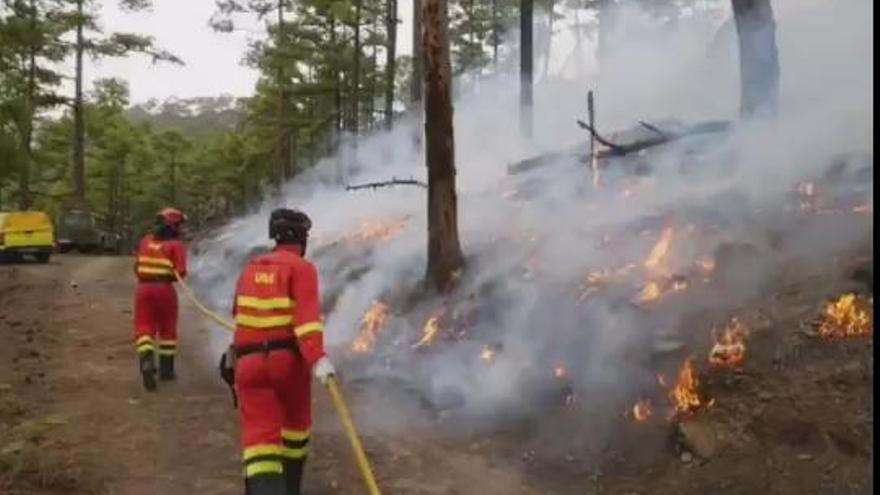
x=265 y=303
x=145 y=347
x=294 y=453
x=294 y=435
x=315 y=326
x=263 y=321
x=258 y=450
x=262 y=467
x=156 y=261
x=155 y=271
x=166 y=352
x=145 y=338
x=168 y=342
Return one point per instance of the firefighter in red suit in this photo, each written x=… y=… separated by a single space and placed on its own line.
x=278 y=347
x=159 y=255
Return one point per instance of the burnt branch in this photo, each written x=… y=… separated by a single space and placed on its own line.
x=653 y=129
x=598 y=137
x=388 y=183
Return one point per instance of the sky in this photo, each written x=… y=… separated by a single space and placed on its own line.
x=212 y=59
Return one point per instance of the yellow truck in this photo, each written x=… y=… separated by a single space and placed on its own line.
x=26 y=233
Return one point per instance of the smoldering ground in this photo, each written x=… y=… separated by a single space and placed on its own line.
x=532 y=240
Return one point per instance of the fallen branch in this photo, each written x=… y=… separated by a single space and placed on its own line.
x=598 y=137
x=393 y=182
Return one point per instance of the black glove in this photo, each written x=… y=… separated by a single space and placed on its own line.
x=227 y=372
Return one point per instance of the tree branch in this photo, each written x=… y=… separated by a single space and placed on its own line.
x=393 y=182
x=598 y=137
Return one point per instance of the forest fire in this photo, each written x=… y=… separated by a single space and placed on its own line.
x=487 y=355
x=429 y=331
x=371 y=324
x=641 y=410
x=730 y=348
x=660 y=250
x=379 y=229
x=846 y=317
x=685 y=395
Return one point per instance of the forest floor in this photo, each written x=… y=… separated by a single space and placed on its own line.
x=796 y=419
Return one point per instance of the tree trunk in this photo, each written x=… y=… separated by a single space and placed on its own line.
x=283 y=137
x=79 y=131
x=445 y=258
x=417 y=55
x=758 y=57
x=495 y=29
x=24 y=201
x=390 y=63
x=525 y=64
x=607 y=25
x=356 y=68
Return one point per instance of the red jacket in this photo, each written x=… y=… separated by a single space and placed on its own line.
x=158 y=259
x=276 y=298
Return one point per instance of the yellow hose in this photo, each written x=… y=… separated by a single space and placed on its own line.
x=332 y=387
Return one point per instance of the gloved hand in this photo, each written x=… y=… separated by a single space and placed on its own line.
x=323 y=370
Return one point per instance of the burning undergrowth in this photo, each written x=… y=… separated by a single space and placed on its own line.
x=574 y=297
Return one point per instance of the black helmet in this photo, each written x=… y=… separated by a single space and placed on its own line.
x=286 y=225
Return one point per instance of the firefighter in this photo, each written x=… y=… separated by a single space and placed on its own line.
x=277 y=348
x=159 y=255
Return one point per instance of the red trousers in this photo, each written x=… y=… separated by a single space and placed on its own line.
x=274 y=394
x=155 y=318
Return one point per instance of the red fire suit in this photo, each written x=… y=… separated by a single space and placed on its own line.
x=155 y=301
x=277 y=303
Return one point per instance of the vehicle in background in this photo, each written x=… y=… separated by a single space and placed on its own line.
x=26 y=233
x=85 y=231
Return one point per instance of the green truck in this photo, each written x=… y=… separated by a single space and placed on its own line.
x=85 y=231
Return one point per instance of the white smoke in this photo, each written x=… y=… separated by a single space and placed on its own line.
x=737 y=182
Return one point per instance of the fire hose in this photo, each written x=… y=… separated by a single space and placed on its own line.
x=332 y=387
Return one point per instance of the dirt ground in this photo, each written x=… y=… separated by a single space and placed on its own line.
x=797 y=419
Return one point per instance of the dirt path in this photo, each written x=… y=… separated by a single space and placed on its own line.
x=75 y=419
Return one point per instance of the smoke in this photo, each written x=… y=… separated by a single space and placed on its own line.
x=528 y=255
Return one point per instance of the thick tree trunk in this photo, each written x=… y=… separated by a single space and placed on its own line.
x=79 y=130
x=526 y=66
x=758 y=57
x=390 y=64
x=445 y=258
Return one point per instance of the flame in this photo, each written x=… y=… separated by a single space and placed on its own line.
x=650 y=292
x=685 y=395
x=560 y=372
x=382 y=229
x=730 y=348
x=429 y=331
x=845 y=318
x=660 y=250
x=488 y=354
x=642 y=410
x=371 y=324
x=707 y=264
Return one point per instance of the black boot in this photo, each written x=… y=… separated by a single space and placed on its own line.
x=166 y=368
x=293 y=475
x=264 y=484
x=148 y=370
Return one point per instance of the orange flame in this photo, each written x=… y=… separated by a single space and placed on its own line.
x=488 y=354
x=650 y=292
x=846 y=317
x=371 y=325
x=660 y=250
x=685 y=395
x=382 y=229
x=429 y=331
x=730 y=348
x=642 y=410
